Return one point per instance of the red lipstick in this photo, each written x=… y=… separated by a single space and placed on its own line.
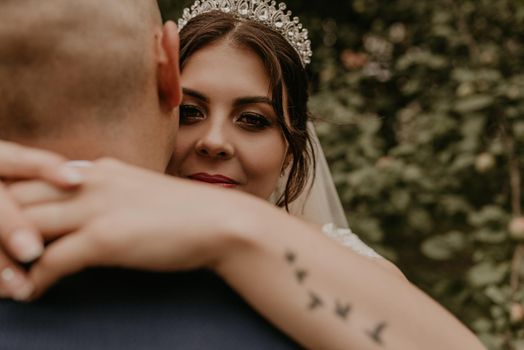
x=220 y=180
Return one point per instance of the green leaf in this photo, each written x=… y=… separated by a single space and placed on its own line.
x=518 y=344
x=463 y=75
x=490 y=214
x=487 y=273
x=400 y=199
x=488 y=236
x=473 y=103
x=518 y=129
x=454 y=204
x=482 y=325
x=444 y=247
x=497 y=294
x=420 y=220
x=492 y=341
x=423 y=58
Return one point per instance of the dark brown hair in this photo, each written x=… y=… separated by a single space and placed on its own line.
x=289 y=82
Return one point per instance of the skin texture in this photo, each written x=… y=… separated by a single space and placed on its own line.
x=50 y=69
x=220 y=136
x=99 y=66
x=70 y=71
x=320 y=293
x=18 y=162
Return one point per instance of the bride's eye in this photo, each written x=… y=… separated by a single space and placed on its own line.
x=254 y=121
x=190 y=114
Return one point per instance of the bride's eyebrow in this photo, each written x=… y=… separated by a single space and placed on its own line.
x=252 y=100
x=248 y=100
x=195 y=94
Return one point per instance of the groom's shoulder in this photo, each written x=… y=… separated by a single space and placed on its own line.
x=115 y=309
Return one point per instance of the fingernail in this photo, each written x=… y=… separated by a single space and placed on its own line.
x=71 y=175
x=19 y=288
x=26 y=245
x=79 y=164
x=24 y=292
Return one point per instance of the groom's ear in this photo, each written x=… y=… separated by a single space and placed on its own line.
x=168 y=46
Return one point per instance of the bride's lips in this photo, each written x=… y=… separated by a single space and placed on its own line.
x=219 y=180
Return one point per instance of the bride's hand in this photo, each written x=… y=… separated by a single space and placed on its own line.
x=20 y=241
x=123 y=216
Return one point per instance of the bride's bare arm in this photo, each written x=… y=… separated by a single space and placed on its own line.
x=322 y=294
x=329 y=297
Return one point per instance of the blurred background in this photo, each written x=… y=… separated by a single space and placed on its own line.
x=420 y=108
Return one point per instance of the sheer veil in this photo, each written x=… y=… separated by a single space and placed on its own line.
x=321 y=204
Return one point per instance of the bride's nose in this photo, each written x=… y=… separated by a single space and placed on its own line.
x=214 y=143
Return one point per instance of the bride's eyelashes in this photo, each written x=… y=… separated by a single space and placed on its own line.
x=190 y=114
x=254 y=121
x=251 y=121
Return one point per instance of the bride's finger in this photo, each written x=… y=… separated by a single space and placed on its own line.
x=13 y=280
x=66 y=256
x=18 y=237
x=20 y=162
x=56 y=219
x=35 y=192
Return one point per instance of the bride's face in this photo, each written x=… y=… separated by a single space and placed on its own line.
x=229 y=133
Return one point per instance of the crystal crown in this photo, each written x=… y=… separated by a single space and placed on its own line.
x=263 y=11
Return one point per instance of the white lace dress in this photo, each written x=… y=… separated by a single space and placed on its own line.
x=349 y=239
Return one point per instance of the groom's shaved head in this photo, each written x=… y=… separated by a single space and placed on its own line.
x=68 y=63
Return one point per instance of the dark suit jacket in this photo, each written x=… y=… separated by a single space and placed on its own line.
x=116 y=309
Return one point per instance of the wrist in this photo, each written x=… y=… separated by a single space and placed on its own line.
x=242 y=233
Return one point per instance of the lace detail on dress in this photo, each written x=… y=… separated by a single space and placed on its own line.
x=349 y=239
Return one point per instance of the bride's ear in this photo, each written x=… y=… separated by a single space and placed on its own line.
x=168 y=51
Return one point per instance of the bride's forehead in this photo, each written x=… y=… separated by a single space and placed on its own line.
x=226 y=67
x=222 y=52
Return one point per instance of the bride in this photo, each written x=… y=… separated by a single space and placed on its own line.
x=243 y=126
x=264 y=143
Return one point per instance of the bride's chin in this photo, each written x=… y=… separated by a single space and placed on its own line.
x=232 y=186
x=219 y=184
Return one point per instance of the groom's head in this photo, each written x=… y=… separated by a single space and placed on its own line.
x=89 y=78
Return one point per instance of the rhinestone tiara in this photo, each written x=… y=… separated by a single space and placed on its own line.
x=262 y=11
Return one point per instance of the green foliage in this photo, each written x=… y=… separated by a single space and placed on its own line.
x=421 y=113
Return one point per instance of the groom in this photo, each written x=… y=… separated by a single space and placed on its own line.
x=89 y=79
